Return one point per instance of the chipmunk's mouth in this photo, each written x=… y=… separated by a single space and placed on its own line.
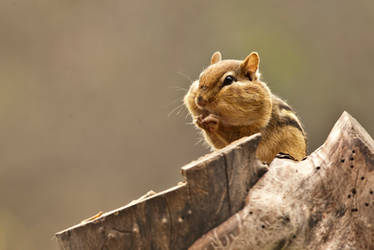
x=205 y=112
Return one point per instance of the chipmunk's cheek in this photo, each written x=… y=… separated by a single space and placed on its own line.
x=222 y=110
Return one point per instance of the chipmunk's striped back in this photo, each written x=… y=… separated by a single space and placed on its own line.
x=284 y=133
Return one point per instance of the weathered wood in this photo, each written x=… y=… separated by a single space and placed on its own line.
x=215 y=187
x=323 y=202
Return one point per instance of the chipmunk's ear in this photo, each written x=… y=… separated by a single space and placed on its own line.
x=250 y=64
x=216 y=57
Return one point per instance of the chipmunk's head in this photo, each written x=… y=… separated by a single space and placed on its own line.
x=231 y=89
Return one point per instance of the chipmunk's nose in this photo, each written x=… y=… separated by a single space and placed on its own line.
x=201 y=101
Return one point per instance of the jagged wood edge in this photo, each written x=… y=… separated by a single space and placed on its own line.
x=324 y=202
x=215 y=187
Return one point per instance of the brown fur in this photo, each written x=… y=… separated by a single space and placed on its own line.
x=243 y=108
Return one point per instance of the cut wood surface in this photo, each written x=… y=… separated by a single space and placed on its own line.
x=215 y=187
x=229 y=201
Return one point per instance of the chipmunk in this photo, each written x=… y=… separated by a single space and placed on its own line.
x=229 y=102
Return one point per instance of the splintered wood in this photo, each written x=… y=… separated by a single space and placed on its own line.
x=215 y=188
x=229 y=201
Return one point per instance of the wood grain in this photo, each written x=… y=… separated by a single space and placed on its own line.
x=229 y=200
x=323 y=202
x=215 y=187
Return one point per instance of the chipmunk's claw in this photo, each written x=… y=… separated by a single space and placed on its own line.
x=281 y=155
x=209 y=123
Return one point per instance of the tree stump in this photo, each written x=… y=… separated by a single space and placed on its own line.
x=323 y=202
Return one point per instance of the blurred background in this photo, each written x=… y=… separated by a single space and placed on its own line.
x=88 y=89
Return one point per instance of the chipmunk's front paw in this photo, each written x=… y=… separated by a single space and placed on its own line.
x=209 y=123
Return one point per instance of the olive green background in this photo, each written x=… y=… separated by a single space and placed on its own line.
x=87 y=90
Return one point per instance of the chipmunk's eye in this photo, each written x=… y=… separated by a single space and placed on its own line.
x=228 y=80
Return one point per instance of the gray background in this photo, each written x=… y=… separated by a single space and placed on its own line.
x=87 y=87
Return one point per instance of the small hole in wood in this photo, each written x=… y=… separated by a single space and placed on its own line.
x=351 y=158
x=294 y=236
x=250 y=212
x=342 y=160
x=349 y=196
x=352 y=166
x=354 y=210
x=353 y=151
x=366 y=204
x=362 y=178
x=263 y=226
x=371 y=191
x=285 y=219
x=353 y=191
x=318 y=168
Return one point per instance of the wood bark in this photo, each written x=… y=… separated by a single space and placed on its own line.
x=323 y=202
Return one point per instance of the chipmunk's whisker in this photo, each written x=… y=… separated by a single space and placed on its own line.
x=179 y=107
x=187 y=77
